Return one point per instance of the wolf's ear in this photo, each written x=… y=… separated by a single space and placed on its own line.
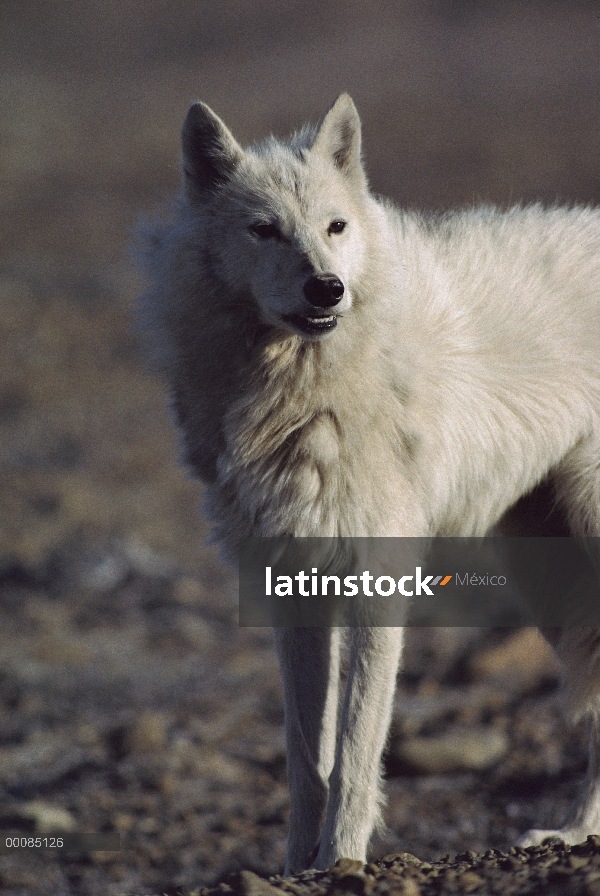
x=210 y=152
x=338 y=136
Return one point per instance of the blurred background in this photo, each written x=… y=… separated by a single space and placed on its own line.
x=129 y=699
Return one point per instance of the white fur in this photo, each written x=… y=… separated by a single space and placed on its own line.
x=464 y=369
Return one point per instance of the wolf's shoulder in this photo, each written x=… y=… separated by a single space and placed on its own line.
x=493 y=220
x=523 y=232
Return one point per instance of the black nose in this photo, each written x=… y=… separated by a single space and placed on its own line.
x=323 y=290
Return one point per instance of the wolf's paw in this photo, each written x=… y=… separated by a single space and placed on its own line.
x=571 y=835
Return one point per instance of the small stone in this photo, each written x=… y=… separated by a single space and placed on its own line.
x=123 y=822
x=525 y=653
x=406 y=858
x=197 y=633
x=149 y=732
x=107 y=574
x=144 y=560
x=407 y=887
x=48 y=819
x=346 y=866
x=468 y=881
x=457 y=750
x=41 y=761
x=188 y=592
x=88 y=734
x=349 y=878
x=246 y=883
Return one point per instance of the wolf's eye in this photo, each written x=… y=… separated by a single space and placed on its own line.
x=265 y=231
x=336 y=227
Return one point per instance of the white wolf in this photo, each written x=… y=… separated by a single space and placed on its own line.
x=341 y=367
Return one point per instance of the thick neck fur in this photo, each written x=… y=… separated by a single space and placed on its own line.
x=269 y=423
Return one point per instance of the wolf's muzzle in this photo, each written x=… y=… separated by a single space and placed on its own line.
x=323 y=290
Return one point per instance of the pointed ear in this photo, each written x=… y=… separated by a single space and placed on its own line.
x=210 y=152
x=338 y=136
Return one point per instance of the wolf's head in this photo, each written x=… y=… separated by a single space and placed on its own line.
x=282 y=223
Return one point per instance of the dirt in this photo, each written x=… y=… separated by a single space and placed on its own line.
x=130 y=699
x=550 y=868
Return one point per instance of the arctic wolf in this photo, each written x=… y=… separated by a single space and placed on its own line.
x=342 y=367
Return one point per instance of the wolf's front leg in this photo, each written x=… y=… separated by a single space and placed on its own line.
x=309 y=660
x=355 y=796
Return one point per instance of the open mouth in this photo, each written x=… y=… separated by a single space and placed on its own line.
x=311 y=325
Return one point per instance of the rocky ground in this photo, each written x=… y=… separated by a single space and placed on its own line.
x=552 y=868
x=132 y=702
x=130 y=699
